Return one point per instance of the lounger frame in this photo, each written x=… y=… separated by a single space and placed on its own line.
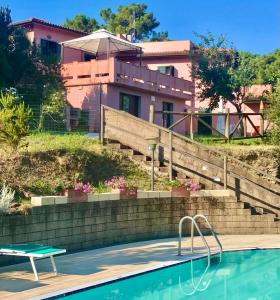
x=33 y=257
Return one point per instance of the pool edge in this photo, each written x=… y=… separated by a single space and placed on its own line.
x=83 y=287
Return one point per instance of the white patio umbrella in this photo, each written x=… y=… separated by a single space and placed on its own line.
x=101 y=42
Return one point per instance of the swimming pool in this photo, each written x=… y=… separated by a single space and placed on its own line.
x=250 y=274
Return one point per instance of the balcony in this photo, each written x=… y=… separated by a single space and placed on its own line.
x=125 y=74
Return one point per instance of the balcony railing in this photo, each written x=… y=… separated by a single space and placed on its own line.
x=125 y=74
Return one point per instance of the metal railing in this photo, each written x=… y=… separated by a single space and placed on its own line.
x=194 y=224
x=211 y=230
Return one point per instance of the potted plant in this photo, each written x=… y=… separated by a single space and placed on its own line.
x=182 y=188
x=78 y=193
x=119 y=184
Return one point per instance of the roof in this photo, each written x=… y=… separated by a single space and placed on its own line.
x=101 y=41
x=45 y=23
x=166 y=48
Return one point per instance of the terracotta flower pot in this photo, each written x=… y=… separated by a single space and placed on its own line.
x=179 y=191
x=76 y=196
x=127 y=193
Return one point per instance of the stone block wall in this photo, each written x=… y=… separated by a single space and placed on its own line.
x=82 y=226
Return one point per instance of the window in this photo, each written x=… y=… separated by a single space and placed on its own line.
x=130 y=104
x=168 y=70
x=167 y=119
x=50 y=48
x=89 y=56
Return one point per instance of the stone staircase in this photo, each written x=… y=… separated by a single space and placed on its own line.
x=256 y=193
x=227 y=214
x=140 y=159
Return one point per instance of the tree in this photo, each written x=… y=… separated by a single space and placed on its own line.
x=14 y=119
x=82 y=23
x=22 y=64
x=129 y=17
x=159 y=36
x=269 y=68
x=221 y=73
x=274 y=114
x=127 y=20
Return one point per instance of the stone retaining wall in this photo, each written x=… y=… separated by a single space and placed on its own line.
x=82 y=226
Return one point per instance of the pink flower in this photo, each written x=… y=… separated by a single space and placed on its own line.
x=85 y=188
x=117 y=182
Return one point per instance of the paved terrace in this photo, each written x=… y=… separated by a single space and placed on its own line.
x=88 y=267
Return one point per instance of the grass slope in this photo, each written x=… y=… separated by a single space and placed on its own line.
x=50 y=160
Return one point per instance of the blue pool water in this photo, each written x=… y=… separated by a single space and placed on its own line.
x=251 y=274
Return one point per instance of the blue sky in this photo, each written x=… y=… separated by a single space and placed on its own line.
x=251 y=25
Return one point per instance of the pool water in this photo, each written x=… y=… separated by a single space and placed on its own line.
x=250 y=274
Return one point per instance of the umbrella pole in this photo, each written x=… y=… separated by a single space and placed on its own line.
x=61 y=53
x=108 y=48
x=108 y=53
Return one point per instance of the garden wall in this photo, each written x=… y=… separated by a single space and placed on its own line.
x=81 y=226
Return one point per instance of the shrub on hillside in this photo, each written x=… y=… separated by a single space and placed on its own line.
x=41 y=188
x=15 y=119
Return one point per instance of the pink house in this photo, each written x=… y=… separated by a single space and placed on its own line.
x=158 y=74
x=48 y=36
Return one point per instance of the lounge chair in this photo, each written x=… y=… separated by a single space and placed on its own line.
x=32 y=251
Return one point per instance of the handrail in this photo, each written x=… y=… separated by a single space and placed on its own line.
x=212 y=231
x=252 y=177
x=168 y=112
x=196 y=286
x=222 y=153
x=198 y=230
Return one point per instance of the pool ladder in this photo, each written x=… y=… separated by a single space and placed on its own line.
x=194 y=224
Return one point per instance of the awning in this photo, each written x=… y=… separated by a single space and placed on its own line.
x=101 y=42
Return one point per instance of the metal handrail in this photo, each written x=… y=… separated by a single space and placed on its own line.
x=195 y=286
x=212 y=231
x=194 y=224
x=199 y=232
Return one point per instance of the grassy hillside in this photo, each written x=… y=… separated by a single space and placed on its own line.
x=50 y=160
x=255 y=152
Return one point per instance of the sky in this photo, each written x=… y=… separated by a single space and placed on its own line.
x=251 y=25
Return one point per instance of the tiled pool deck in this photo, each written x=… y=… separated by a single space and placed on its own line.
x=17 y=281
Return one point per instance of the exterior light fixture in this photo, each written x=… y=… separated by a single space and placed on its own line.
x=152 y=144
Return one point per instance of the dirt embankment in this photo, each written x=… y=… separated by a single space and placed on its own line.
x=47 y=170
x=263 y=158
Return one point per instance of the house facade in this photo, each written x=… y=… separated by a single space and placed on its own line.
x=121 y=80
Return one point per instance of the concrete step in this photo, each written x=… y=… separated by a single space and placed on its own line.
x=149 y=163
x=129 y=152
x=115 y=146
x=139 y=157
x=163 y=169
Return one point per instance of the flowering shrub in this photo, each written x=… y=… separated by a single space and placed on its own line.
x=117 y=182
x=192 y=186
x=80 y=187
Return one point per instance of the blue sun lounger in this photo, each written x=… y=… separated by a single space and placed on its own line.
x=32 y=251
